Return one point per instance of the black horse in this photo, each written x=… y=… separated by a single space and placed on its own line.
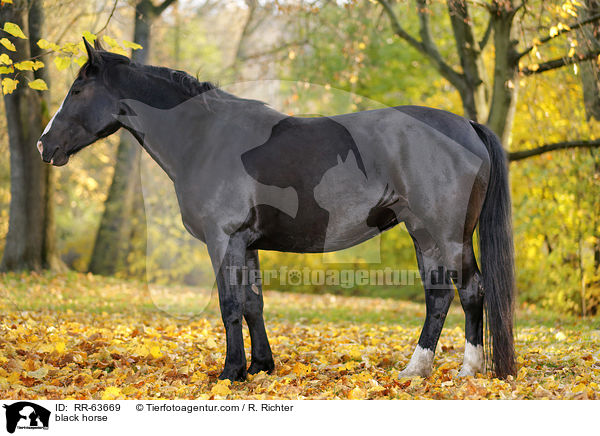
x=250 y=178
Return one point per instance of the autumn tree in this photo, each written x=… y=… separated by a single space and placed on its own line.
x=589 y=37
x=491 y=97
x=122 y=227
x=30 y=239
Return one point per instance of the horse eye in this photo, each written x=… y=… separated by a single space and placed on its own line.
x=75 y=91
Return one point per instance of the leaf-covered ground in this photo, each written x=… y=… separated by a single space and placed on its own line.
x=83 y=337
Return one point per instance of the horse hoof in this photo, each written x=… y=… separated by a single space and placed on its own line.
x=257 y=366
x=420 y=364
x=233 y=375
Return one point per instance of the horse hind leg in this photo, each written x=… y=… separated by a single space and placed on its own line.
x=471 y=299
x=438 y=297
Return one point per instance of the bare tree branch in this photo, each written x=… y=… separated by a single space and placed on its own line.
x=560 y=62
x=562 y=31
x=272 y=51
x=112 y=12
x=426 y=46
x=246 y=31
x=524 y=154
x=159 y=9
x=487 y=34
x=466 y=45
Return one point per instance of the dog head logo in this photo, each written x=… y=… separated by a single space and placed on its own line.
x=26 y=415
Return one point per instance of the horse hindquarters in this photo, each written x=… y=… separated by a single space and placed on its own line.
x=441 y=222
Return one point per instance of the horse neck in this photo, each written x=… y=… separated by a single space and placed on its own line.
x=171 y=118
x=158 y=93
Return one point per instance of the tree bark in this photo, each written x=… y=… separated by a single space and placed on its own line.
x=590 y=70
x=30 y=238
x=122 y=232
x=475 y=95
x=505 y=87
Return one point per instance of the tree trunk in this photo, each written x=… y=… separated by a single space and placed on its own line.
x=474 y=95
x=30 y=238
x=505 y=87
x=590 y=70
x=123 y=224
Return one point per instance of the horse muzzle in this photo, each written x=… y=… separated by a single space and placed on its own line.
x=55 y=156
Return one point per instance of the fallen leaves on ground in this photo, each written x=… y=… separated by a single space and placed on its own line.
x=83 y=349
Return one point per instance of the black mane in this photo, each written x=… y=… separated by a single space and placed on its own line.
x=188 y=84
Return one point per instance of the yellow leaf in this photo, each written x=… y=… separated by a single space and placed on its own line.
x=14 y=30
x=6 y=70
x=300 y=369
x=46 y=348
x=111 y=393
x=80 y=60
x=9 y=45
x=24 y=65
x=356 y=394
x=6 y=2
x=553 y=31
x=89 y=36
x=9 y=85
x=110 y=41
x=118 y=50
x=533 y=67
x=571 y=52
x=198 y=376
x=155 y=351
x=43 y=44
x=70 y=47
x=292 y=54
x=41 y=85
x=62 y=62
x=47 y=45
x=4 y=59
x=560 y=336
x=132 y=45
x=140 y=351
x=210 y=343
x=221 y=388
x=38 y=374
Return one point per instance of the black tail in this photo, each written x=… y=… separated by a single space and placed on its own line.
x=497 y=256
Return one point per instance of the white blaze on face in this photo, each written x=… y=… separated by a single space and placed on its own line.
x=47 y=129
x=40 y=146
x=420 y=364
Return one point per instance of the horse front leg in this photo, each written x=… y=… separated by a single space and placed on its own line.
x=262 y=357
x=232 y=296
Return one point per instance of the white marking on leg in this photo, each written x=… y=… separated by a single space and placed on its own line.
x=473 y=360
x=420 y=364
x=49 y=125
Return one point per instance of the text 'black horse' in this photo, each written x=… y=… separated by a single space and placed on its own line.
x=250 y=178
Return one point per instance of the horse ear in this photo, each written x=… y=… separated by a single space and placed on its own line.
x=92 y=56
x=97 y=45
